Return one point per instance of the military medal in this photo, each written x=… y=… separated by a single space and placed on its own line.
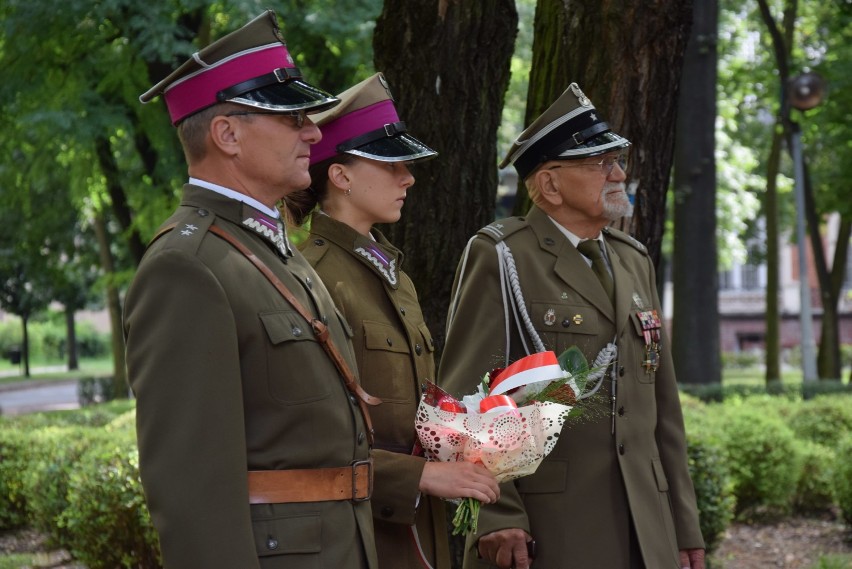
x=549 y=317
x=651 y=327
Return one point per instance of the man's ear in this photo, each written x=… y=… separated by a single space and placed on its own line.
x=338 y=175
x=225 y=134
x=548 y=185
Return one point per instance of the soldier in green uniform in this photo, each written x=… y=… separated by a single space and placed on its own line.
x=615 y=492
x=253 y=442
x=360 y=177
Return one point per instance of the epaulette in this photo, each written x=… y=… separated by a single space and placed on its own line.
x=184 y=231
x=502 y=228
x=625 y=238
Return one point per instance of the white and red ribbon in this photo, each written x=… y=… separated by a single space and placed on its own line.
x=541 y=366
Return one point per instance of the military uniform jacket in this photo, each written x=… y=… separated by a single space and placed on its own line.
x=229 y=378
x=394 y=351
x=578 y=504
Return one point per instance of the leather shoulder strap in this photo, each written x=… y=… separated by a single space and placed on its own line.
x=320 y=329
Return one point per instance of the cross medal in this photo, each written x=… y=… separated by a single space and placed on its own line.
x=651 y=326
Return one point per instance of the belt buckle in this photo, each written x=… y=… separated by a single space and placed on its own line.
x=368 y=462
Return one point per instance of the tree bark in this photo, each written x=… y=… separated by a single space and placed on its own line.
x=773 y=281
x=627 y=57
x=71 y=339
x=695 y=276
x=447 y=63
x=119 y=378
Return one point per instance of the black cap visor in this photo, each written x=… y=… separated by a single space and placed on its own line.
x=399 y=148
x=600 y=144
x=293 y=95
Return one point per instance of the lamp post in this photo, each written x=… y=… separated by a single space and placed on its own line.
x=805 y=92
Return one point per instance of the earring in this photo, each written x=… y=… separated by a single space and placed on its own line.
x=348 y=191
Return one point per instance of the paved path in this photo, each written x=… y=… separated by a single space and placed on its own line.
x=35 y=395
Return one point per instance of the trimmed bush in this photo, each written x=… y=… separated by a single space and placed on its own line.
x=53 y=455
x=764 y=460
x=713 y=488
x=13 y=465
x=107 y=522
x=843 y=478
x=824 y=420
x=815 y=489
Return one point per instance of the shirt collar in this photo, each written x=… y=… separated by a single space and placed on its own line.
x=235 y=195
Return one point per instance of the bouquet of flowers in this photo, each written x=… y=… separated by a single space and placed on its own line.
x=512 y=421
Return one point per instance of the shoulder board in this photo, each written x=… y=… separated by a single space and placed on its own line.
x=502 y=228
x=314 y=249
x=613 y=233
x=184 y=230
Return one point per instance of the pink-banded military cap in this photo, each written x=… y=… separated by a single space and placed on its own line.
x=366 y=124
x=570 y=129
x=250 y=66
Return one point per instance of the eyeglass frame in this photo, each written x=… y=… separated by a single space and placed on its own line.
x=620 y=159
x=301 y=116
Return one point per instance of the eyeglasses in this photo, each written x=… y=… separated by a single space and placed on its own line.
x=300 y=116
x=606 y=165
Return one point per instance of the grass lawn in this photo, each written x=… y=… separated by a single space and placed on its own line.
x=55 y=370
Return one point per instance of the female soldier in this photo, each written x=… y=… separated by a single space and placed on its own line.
x=359 y=173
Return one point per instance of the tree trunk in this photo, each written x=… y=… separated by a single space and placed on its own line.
x=447 y=64
x=829 y=363
x=627 y=57
x=695 y=337
x=773 y=238
x=71 y=339
x=25 y=344
x=119 y=378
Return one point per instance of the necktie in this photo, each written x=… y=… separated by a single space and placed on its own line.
x=591 y=250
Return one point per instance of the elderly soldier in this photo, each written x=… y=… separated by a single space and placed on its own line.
x=253 y=432
x=615 y=492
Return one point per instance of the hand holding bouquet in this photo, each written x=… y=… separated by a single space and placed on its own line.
x=509 y=425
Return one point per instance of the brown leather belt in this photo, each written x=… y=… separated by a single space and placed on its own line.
x=353 y=482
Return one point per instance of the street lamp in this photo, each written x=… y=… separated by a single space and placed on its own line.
x=805 y=92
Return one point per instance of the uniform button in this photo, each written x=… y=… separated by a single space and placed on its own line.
x=402 y=310
x=202 y=213
x=309 y=282
x=418 y=349
x=390 y=342
x=361 y=437
x=621 y=449
x=621 y=371
x=324 y=319
x=319 y=242
x=387 y=512
x=566 y=323
x=621 y=411
x=353 y=400
x=297 y=331
x=271 y=543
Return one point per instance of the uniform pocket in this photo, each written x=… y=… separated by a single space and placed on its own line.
x=386 y=362
x=288 y=535
x=291 y=339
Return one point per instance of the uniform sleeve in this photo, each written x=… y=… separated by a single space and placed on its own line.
x=396 y=486
x=183 y=364
x=671 y=441
x=476 y=344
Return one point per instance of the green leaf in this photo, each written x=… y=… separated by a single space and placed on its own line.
x=573 y=361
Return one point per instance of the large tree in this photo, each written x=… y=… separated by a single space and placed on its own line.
x=695 y=336
x=447 y=64
x=628 y=58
